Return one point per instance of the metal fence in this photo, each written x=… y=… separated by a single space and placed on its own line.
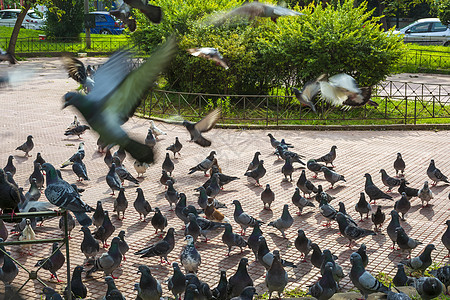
x=426 y=59
x=398 y=103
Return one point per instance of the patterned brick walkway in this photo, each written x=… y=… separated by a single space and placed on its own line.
x=35 y=108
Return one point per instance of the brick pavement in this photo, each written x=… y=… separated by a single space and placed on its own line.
x=35 y=108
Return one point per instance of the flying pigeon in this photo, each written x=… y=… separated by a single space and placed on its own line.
x=77 y=71
x=123 y=12
x=204 y=125
x=209 y=53
x=309 y=91
x=155 y=130
x=152 y=12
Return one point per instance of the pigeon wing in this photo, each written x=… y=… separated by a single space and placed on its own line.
x=75 y=68
x=208 y=122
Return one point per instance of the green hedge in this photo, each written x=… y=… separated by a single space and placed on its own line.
x=264 y=55
x=65 y=19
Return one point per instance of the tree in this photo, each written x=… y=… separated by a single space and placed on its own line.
x=15 y=33
x=442 y=9
x=64 y=13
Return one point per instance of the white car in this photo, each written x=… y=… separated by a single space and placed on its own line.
x=32 y=20
x=428 y=31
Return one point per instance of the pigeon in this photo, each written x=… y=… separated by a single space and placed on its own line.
x=108 y=261
x=402 y=206
x=121 y=154
x=37 y=174
x=258 y=173
x=191 y=292
x=112 y=293
x=116 y=95
x=389 y=181
x=404 y=241
x=204 y=165
x=253 y=240
x=399 y=165
x=284 y=153
x=202 y=287
x=400 y=278
x=204 y=125
x=122 y=172
x=421 y=262
x=300 y=201
x=242 y=218
x=180 y=206
x=214 y=187
x=315 y=167
x=443 y=274
x=33 y=193
x=70 y=224
x=205 y=225
x=74 y=123
x=62 y=194
x=284 y=222
x=393 y=225
x=337 y=271
x=177 y=282
x=327 y=210
x=70 y=161
x=123 y=13
x=10 y=166
x=409 y=191
x=6 y=56
x=175 y=147
x=274 y=142
x=171 y=194
x=192 y=228
x=51 y=294
x=319 y=193
x=446 y=238
x=54 y=262
x=209 y=53
x=363 y=280
x=77 y=71
x=148 y=287
x=307 y=94
x=373 y=191
x=78 y=131
x=435 y=174
x=9 y=270
x=363 y=207
x=168 y=165
x=306 y=186
x=120 y=204
x=265 y=257
x=222 y=180
x=141 y=205
x=378 y=218
x=150 y=139
x=79 y=168
x=331 y=176
x=159 y=221
x=3 y=231
x=232 y=239
x=161 y=248
x=189 y=256
x=240 y=280
x=425 y=194
x=27 y=235
x=79 y=290
x=108 y=159
x=105 y=230
x=344 y=212
x=276 y=276
x=428 y=287
x=155 y=130
x=99 y=215
x=247 y=294
x=255 y=162
x=89 y=246
x=152 y=12
x=350 y=231
x=326 y=287
x=221 y=291
x=214 y=214
x=287 y=169
x=113 y=180
x=303 y=244
x=329 y=157
x=9 y=194
x=141 y=168
x=362 y=251
x=27 y=146
x=267 y=197
x=39 y=159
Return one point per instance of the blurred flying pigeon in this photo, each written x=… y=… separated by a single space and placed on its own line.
x=204 y=125
x=152 y=12
x=123 y=12
x=27 y=146
x=77 y=71
x=399 y=165
x=435 y=174
x=308 y=93
x=209 y=53
x=155 y=130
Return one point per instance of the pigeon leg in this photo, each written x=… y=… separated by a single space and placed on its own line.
x=299 y=213
x=448 y=255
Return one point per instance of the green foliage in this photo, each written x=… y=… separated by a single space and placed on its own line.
x=384 y=278
x=443 y=11
x=65 y=19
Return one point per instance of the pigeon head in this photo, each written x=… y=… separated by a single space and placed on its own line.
x=248 y=292
x=355 y=258
x=315 y=247
x=74 y=99
x=171 y=230
x=261 y=162
x=276 y=254
x=109 y=279
x=122 y=234
x=261 y=239
x=85 y=229
x=399 y=155
x=257 y=153
x=192 y=217
x=139 y=191
x=30 y=137
x=425 y=184
x=382 y=171
x=78 y=269
x=189 y=239
x=329 y=266
x=432 y=162
x=430 y=247
x=341 y=207
x=301 y=232
x=175 y=266
x=236 y=202
x=143 y=270
x=367 y=175
x=447 y=223
x=270 y=135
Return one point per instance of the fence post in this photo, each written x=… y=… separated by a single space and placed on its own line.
x=267 y=111
x=406 y=109
x=66 y=241
x=415 y=110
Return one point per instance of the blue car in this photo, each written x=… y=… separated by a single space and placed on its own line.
x=106 y=24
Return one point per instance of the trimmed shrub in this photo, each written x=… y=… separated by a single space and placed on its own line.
x=65 y=19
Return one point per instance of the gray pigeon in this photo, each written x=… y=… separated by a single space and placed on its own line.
x=240 y=280
x=399 y=165
x=99 y=215
x=306 y=186
x=344 y=212
x=232 y=239
x=113 y=180
x=10 y=166
x=421 y=262
x=309 y=91
x=50 y=294
x=284 y=222
x=71 y=159
x=443 y=274
x=435 y=174
x=9 y=270
x=123 y=245
x=168 y=165
x=284 y=154
x=425 y=194
x=373 y=191
x=331 y=176
x=122 y=172
x=79 y=130
x=253 y=240
x=54 y=262
x=258 y=173
x=300 y=201
x=329 y=157
x=159 y=221
x=117 y=93
x=150 y=139
x=363 y=280
x=214 y=187
x=152 y=12
x=63 y=195
x=446 y=238
x=242 y=218
x=204 y=125
x=161 y=248
x=350 y=231
x=108 y=261
x=148 y=287
x=267 y=197
x=287 y=169
x=400 y=278
x=378 y=218
x=202 y=200
x=327 y=210
x=428 y=287
x=108 y=159
x=177 y=282
x=362 y=251
x=363 y=207
x=39 y=159
x=27 y=146
x=276 y=276
x=220 y=292
x=89 y=246
x=112 y=293
x=247 y=294
x=209 y=53
x=165 y=177
x=319 y=193
x=303 y=244
x=77 y=71
x=141 y=205
x=265 y=257
x=192 y=228
x=204 y=165
x=70 y=224
x=405 y=242
x=338 y=272
x=315 y=167
x=105 y=230
x=402 y=206
x=78 y=288
x=316 y=256
x=79 y=168
x=120 y=204
x=180 y=206
x=171 y=194
x=409 y=191
x=175 y=147
x=37 y=174
x=395 y=222
x=255 y=162
x=389 y=181
x=274 y=142
x=326 y=287
x=33 y=193
x=189 y=256
x=9 y=194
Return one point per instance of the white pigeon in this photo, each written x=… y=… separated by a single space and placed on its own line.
x=209 y=53
x=140 y=168
x=338 y=88
x=74 y=124
x=155 y=130
x=425 y=194
x=27 y=235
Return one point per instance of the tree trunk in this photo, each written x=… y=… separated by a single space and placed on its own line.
x=15 y=32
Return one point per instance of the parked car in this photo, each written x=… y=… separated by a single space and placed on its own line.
x=8 y=17
x=428 y=31
x=106 y=24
